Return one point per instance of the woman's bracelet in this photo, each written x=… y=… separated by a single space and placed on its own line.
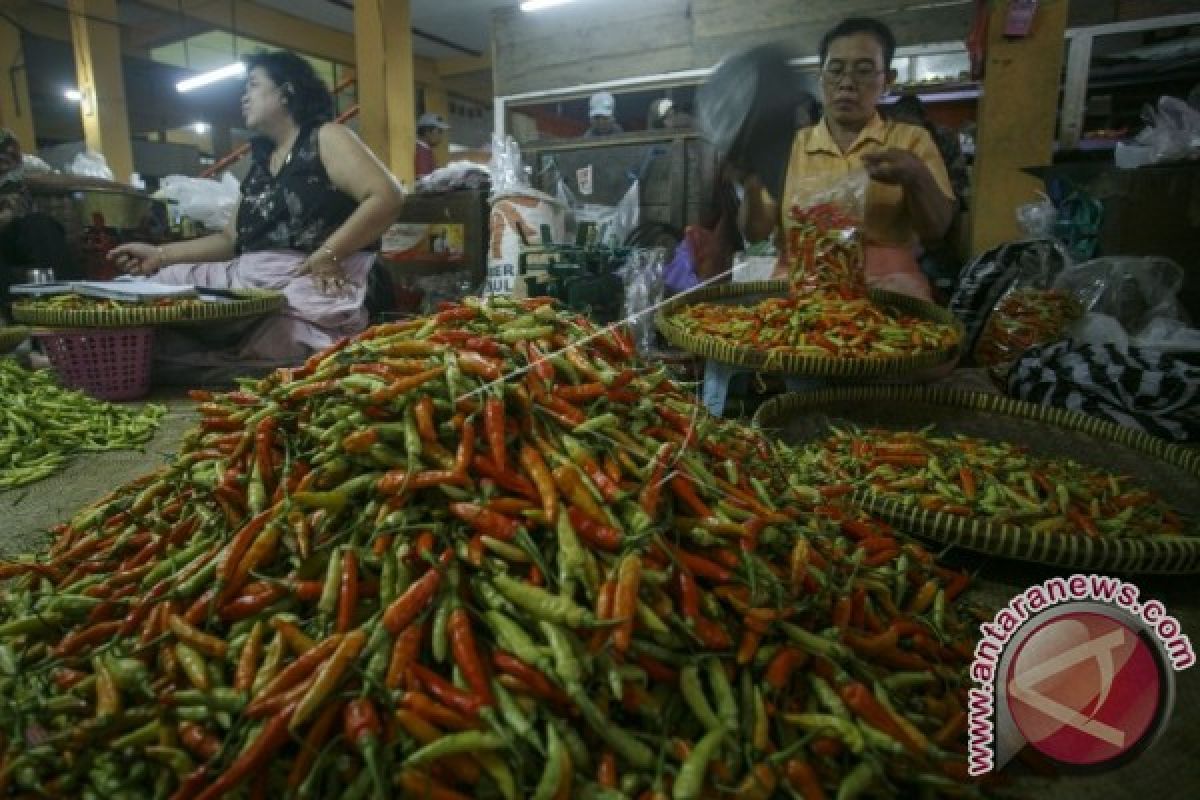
x=332 y=255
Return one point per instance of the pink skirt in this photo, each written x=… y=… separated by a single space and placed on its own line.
x=311 y=320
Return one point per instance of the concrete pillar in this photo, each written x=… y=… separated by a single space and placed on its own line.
x=15 y=111
x=386 y=89
x=1017 y=117
x=105 y=117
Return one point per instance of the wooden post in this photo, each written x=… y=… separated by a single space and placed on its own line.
x=15 y=111
x=97 y=43
x=1016 y=121
x=386 y=88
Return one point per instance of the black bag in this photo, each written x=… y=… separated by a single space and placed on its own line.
x=1154 y=391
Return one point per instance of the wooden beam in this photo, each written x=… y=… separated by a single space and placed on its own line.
x=97 y=41
x=271 y=26
x=1016 y=121
x=16 y=113
x=449 y=67
x=386 y=85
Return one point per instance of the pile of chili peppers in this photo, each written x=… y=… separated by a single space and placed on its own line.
x=823 y=324
x=824 y=249
x=1024 y=318
x=42 y=425
x=481 y=554
x=995 y=481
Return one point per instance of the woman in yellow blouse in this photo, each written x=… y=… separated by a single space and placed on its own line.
x=909 y=198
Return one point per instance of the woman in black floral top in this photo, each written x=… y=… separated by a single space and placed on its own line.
x=313 y=203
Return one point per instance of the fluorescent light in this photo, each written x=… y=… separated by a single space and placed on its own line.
x=74 y=95
x=233 y=70
x=200 y=127
x=540 y=5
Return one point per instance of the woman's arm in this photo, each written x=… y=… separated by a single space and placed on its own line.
x=355 y=170
x=929 y=206
x=139 y=258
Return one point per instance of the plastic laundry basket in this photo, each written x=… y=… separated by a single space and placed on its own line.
x=110 y=364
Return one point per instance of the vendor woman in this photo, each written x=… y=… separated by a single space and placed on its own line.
x=313 y=203
x=909 y=198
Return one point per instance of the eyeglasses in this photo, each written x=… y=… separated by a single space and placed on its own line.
x=859 y=73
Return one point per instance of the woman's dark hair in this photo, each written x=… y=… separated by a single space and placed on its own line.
x=853 y=25
x=307 y=98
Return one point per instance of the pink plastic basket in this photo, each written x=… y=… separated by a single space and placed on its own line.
x=110 y=364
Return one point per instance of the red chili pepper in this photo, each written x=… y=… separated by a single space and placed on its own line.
x=404 y=653
x=446 y=692
x=273 y=737
x=532 y=677
x=405 y=608
x=466 y=654
x=597 y=535
x=511 y=481
x=486 y=521
x=363 y=730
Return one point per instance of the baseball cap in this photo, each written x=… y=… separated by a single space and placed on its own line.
x=601 y=105
x=432 y=120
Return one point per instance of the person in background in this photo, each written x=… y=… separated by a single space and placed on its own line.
x=430 y=130
x=28 y=238
x=313 y=206
x=909 y=198
x=911 y=110
x=601 y=107
x=939 y=261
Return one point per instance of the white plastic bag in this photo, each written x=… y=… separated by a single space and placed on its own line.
x=613 y=223
x=90 y=164
x=643 y=279
x=1129 y=301
x=1173 y=132
x=507 y=168
x=1038 y=219
x=209 y=202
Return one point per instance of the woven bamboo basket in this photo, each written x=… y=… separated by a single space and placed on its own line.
x=1171 y=470
x=728 y=352
x=11 y=337
x=249 y=303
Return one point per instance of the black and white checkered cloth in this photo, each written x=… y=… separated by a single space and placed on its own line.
x=1154 y=391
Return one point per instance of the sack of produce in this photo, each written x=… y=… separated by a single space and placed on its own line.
x=988 y=277
x=1025 y=317
x=823 y=244
x=517 y=219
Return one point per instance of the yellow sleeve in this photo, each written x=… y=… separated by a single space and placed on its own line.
x=924 y=149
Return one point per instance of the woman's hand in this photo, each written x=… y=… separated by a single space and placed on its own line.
x=137 y=258
x=894 y=165
x=326 y=272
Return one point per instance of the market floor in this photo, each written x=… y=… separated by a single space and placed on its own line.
x=1170 y=769
x=29 y=511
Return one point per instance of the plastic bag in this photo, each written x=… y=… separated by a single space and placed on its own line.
x=643 y=279
x=506 y=166
x=986 y=279
x=1132 y=290
x=1129 y=301
x=1039 y=219
x=823 y=247
x=1172 y=132
x=613 y=224
x=455 y=175
x=90 y=164
x=209 y=202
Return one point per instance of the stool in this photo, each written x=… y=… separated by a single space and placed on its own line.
x=717 y=376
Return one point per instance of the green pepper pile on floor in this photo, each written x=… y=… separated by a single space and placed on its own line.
x=481 y=554
x=43 y=425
